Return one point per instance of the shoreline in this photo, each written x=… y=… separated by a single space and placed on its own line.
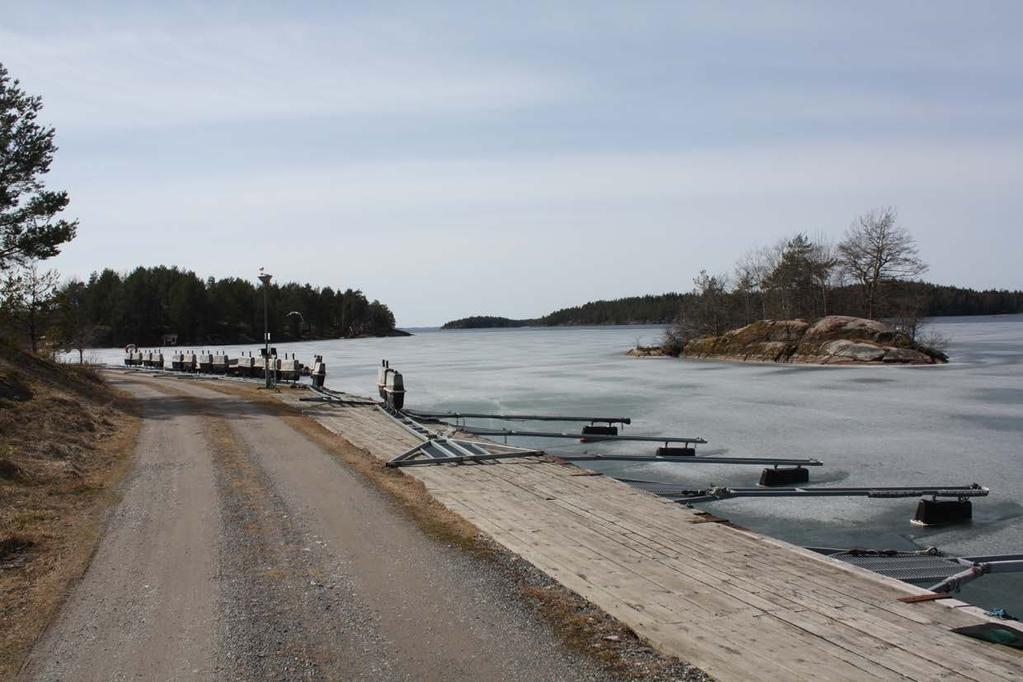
x=774 y=363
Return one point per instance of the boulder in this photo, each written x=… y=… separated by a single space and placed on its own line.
x=852 y=350
x=836 y=339
x=646 y=352
x=906 y=356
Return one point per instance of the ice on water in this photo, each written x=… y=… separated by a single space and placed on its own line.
x=953 y=424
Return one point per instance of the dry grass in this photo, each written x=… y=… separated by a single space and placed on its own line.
x=65 y=444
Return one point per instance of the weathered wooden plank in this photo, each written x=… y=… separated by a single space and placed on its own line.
x=650 y=586
x=780 y=605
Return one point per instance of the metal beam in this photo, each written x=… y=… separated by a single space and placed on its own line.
x=689 y=460
x=955 y=582
x=973 y=490
x=576 y=436
x=516 y=417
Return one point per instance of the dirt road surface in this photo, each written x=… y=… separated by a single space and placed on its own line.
x=242 y=550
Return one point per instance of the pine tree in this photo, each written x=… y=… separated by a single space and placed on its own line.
x=29 y=227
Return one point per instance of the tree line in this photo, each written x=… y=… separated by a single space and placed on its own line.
x=937 y=300
x=650 y=309
x=872 y=272
x=151 y=303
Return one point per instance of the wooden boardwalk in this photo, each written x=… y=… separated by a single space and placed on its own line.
x=737 y=604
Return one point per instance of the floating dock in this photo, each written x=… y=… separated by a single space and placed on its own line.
x=735 y=603
x=286 y=368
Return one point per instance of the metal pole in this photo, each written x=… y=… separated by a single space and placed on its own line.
x=265 y=277
x=266 y=336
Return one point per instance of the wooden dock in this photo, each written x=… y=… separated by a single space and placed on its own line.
x=737 y=604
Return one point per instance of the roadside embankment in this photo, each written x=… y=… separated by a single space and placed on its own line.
x=65 y=443
x=833 y=340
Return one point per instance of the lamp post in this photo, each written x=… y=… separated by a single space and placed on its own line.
x=265 y=278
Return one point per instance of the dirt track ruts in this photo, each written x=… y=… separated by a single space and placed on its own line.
x=243 y=550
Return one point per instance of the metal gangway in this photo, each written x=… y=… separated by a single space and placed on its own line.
x=927 y=565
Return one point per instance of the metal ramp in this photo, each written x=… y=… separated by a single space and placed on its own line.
x=927 y=565
x=442 y=450
x=437 y=448
x=924 y=566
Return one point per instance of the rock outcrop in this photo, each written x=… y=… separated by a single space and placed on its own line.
x=647 y=352
x=833 y=340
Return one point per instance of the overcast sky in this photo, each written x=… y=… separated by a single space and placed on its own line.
x=513 y=158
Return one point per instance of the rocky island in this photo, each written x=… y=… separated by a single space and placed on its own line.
x=832 y=340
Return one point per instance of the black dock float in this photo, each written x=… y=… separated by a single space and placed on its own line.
x=941 y=512
x=676 y=452
x=776 y=476
x=593 y=430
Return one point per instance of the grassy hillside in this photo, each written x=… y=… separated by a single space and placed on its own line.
x=65 y=442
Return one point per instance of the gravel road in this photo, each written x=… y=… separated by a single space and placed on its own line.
x=242 y=550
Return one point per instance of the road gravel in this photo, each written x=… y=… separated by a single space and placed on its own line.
x=242 y=550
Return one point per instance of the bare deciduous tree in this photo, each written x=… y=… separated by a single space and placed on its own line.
x=876 y=250
x=72 y=328
x=707 y=311
x=751 y=273
x=29 y=295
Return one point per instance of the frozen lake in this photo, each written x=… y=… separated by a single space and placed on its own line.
x=954 y=424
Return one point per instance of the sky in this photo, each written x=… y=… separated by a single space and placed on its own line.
x=512 y=158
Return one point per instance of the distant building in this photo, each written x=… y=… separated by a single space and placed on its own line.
x=170 y=339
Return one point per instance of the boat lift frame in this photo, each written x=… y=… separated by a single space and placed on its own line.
x=889 y=492
x=694 y=459
x=476 y=431
x=462 y=416
x=441 y=449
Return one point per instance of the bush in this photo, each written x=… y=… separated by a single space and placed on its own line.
x=672 y=343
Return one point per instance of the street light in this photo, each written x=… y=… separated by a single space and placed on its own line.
x=265 y=278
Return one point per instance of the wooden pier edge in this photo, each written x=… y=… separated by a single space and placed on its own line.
x=735 y=603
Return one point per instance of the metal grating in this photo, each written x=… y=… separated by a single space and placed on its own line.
x=911 y=568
